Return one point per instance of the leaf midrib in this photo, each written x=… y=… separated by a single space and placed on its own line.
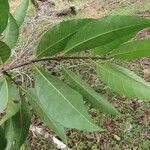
x=54 y=44
x=123 y=75
x=39 y=106
x=83 y=87
x=109 y=72
x=65 y=51
x=128 y=52
x=64 y=97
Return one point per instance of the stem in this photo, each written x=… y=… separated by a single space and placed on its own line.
x=57 y=58
x=9 y=76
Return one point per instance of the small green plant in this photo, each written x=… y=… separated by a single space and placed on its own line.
x=60 y=104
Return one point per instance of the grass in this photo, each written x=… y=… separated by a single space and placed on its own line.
x=126 y=7
x=129 y=131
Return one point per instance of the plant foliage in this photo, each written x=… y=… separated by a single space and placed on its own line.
x=61 y=104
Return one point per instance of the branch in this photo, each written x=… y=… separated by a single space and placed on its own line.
x=57 y=58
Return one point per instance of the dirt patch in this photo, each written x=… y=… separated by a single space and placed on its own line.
x=112 y=3
x=90 y=9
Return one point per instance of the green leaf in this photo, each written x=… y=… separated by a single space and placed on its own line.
x=123 y=81
x=11 y=33
x=3 y=94
x=4 y=52
x=88 y=93
x=9 y=100
x=21 y=11
x=3 y=140
x=4 y=9
x=106 y=48
x=132 y=50
x=17 y=127
x=62 y=103
x=1 y=81
x=104 y=31
x=46 y=118
x=55 y=39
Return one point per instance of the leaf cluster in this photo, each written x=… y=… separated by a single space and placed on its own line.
x=60 y=104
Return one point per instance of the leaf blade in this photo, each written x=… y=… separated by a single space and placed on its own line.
x=11 y=100
x=47 y=119
x=17 y=127
x=4 y=9
x=11 y=33
x=3 y=95
x=88 y=93
x=55 y=39
x=5 y=52
x=104 y=31
x=3 y=141
x=105 y=49
x=132 y=50
x=20 y=12
x=71 y=108
x=123 y=81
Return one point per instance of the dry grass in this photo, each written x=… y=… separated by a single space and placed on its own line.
x=14 y=4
